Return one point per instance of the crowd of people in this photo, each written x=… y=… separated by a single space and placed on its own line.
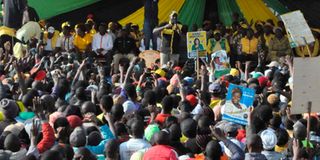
x=84 y=93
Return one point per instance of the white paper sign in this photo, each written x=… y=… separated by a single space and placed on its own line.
x=306 y=85
x=299 y=33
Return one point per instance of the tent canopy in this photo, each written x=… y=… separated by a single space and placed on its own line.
x=49 y=8
x=190 y=11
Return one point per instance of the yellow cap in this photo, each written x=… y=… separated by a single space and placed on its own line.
x=215 y=32
x=161 y=72
x=89 y=20
x=234 y=72
x=65 y=24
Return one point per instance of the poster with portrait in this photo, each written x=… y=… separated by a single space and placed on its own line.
x=196 y=43
x=238 y=101
x=221 y=63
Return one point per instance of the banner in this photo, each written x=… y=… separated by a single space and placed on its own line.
x=197 y=44
x=299 y=33
x=165 y=9
x=255 y=10
x=192 y=12
x=305 y=85
x=238 y=101
x=49 y=8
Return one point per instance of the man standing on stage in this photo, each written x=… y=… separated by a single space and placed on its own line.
x=170 y=35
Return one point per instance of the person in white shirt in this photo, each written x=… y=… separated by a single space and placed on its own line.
x=135 y=143
x=65 y=41
x=102 y=43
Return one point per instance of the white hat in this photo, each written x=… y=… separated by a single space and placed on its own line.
x=50 y=30
x=273 y=64
x=269 y=139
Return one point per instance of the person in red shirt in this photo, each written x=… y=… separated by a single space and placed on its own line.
x=162 y=150
x=166 y=103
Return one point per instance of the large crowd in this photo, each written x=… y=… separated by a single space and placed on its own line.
x=83 y=93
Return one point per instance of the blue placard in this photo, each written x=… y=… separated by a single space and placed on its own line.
x=238 y=101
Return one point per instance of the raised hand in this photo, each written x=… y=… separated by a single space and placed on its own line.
x=295 y=148
x=250 y=116
x=34 y=132
x=38 y=108
x=204 y=70
x=288 y=60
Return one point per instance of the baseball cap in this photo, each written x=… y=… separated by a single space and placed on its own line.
x=51 y=29
x=150 y=131
x=192 y=99
x=40 y=75
x=188 y=80
x=256 y=74
x=160 y=72
x=177 y=68
x=273 y=64
x=214 y=88
x=234 y=72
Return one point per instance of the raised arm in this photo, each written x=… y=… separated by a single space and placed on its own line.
x=237 y=152
x=76 y=77
x=130 y=69
x=204 y=73
x=159 y=29
x=181 y=89
x=18 y=68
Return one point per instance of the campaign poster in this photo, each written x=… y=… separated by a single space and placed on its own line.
x=197 y=44
x=221 y=63
x=238 y=101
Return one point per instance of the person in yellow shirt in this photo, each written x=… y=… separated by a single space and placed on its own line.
x=215 y=90
x=217 y=43
x=90 y=27
x=279 y=46
x=50 y=38
x=268 y=34
x=135 y=34
x=82 y=42
x=248 y=49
